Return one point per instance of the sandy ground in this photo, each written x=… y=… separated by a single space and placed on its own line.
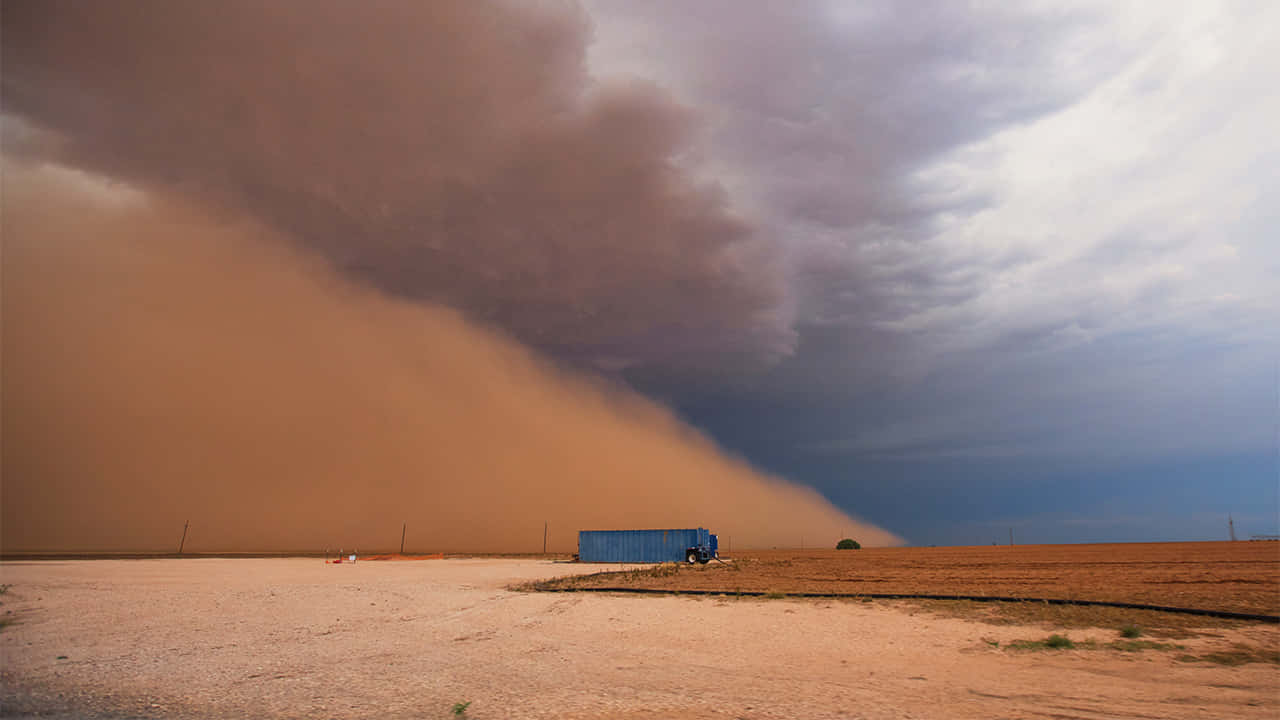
x=218 y=638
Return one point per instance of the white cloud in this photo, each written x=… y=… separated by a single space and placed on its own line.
x=1132 y=204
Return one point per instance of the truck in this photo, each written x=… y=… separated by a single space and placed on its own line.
x=691 y=545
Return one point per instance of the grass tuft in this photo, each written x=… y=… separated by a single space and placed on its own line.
x=1059 y=641
x=1053 y=642
x=1130 y=631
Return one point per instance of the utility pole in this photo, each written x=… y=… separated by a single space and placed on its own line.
x=1231 y=527
x=544 y=536
x=1010 y=537
x=185 y=525
x=402 y=529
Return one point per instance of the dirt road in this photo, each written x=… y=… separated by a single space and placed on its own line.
x=271 y=638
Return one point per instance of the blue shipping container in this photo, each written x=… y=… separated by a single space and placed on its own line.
x=647 y=546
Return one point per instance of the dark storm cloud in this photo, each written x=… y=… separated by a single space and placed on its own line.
x=824 y=116
x=844 y=100
x=455 y=152
x=872 y=137
x=829 y=118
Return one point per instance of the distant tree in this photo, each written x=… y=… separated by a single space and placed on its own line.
x=848 y=544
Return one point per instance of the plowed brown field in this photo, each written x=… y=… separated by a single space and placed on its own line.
x=1236 y=577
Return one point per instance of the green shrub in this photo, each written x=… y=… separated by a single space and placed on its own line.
x=848 y=544
x=1059 y=641
x=1131 y=631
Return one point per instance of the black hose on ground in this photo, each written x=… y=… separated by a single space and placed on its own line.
x=914 y=596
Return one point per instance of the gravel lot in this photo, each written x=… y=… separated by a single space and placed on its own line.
x=222 y=638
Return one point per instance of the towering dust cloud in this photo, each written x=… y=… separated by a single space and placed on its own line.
x=270 y=324
x=452 y=152
x=164 y=364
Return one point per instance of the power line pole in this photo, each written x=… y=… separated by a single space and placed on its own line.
x=544 y=537
x=1231 y=527
x=185 y=525
x=402 y=529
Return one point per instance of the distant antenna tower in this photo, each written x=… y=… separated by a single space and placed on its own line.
x=1231 y=527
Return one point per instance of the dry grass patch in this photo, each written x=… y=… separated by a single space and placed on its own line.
x=637 y=577
x=1063 y=642
x=1140 y=645
x=1053 y=642
x=1237 y=654
x=1126 y=621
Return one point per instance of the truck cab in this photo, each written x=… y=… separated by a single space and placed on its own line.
x=703 y=553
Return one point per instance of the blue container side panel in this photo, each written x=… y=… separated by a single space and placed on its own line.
x=715 y=545
x=645 y=546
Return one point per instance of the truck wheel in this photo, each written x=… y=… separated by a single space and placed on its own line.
x=704 y=559
x=692 y=557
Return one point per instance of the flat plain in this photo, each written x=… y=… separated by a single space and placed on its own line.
x=1229 y=576
x=296 y=638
